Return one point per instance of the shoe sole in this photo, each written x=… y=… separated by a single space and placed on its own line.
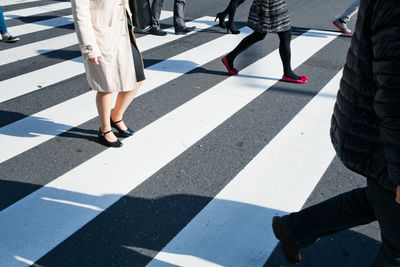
x=12 y=41
x=303 y=79
x=158 y=34
x=340 y=28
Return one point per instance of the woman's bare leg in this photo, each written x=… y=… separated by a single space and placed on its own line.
x=104 y=103
x=123 y=101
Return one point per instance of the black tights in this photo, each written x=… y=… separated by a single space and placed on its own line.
x=284 y=50
x=231 y=9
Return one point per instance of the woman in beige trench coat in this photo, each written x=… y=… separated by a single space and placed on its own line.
x=111 y=64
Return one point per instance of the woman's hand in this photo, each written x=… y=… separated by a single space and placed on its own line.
x=95 y=60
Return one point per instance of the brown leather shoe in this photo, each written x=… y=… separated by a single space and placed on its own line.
x=290 y=250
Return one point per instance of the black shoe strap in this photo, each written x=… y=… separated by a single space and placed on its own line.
x=106 y=132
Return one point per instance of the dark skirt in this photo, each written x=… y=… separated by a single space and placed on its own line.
x=269 y=16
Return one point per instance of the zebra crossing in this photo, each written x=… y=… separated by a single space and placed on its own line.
x=67 y=200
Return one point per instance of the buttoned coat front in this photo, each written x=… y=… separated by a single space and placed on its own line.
x=102 y=29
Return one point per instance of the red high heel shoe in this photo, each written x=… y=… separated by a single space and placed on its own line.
x=233 y=71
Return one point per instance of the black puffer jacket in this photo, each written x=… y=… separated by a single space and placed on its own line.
x=365 y=128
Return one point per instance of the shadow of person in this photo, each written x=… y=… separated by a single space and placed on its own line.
x=66 y=53
x=7 y=117
x=345 y=249
x=32 y=126
x=116 y=230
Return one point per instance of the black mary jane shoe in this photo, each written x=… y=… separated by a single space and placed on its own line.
x=103 y=140
x=123 y=133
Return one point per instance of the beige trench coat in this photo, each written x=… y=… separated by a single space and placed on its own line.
x=101 y=26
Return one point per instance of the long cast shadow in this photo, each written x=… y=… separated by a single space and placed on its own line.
x=134 y=229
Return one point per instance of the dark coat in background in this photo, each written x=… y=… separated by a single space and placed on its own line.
x=365 y=128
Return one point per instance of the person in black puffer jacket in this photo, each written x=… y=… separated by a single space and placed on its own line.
x=365 y=132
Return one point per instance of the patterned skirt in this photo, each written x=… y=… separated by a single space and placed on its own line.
x=269 y=16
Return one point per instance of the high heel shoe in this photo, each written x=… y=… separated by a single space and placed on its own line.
x=221 y=18
x=124 y=133
x=230 y=27
x=233 y=71
x=103 y=139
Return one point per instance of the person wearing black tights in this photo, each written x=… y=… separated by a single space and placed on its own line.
x=230 y=10
x=267 y=16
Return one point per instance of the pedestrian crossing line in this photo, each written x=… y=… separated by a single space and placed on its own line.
x=15 y=2
x=31 y=233
x=57 y=22
x=234 y=229
x=32 y=81
x=37 y=48
x=40 y=25
x=31 y=11
x=31 y=131
x=44 y=46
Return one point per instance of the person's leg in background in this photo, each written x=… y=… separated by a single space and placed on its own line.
x=3 y=27
x=156 y=7
x=341 y=22
x=248 y=41
x=350 y=11
x=179 y=15
x=5 y=36
x=231 y=10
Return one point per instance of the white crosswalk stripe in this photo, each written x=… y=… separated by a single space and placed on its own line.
x=32 y=11
x=40 y=25
x=229 y=230
x=56 y=22
x=52 y=44
x=30 y=82
x=211 y=235
x=14 y=2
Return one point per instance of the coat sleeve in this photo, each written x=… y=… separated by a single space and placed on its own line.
x=84 y=29
x=385 y=37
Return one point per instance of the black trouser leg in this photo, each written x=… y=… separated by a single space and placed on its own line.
x=179 y=7
x=285 y=53
x=387 y=212
x=331 y=216
x=243 y=45
x=156 y=7
x=357 y=207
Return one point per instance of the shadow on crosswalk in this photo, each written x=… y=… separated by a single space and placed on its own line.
x=345 y=249
x=135 y=229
